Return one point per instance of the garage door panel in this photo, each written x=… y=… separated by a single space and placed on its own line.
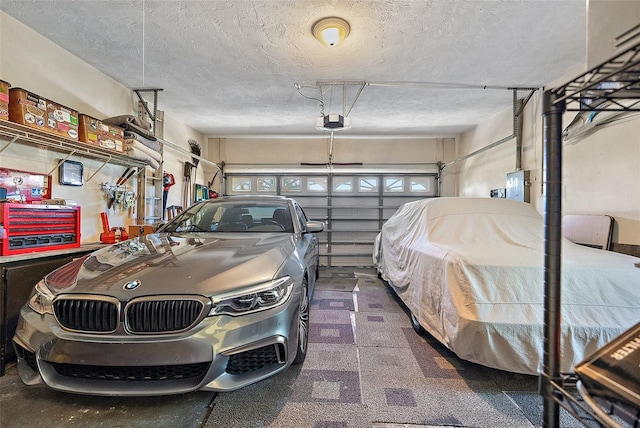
x=361 y=237
x=357 y=224
x=352 y=206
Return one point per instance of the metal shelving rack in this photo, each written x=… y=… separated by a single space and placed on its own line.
x=612 y=86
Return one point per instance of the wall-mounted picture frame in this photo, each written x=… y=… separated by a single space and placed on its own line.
x=71 y=173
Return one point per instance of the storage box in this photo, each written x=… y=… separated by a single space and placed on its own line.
x=4 y=100
x=29 y=109
x=612 y=371
x=137 y=230
x=94 y=131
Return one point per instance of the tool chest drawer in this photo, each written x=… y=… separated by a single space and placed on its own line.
x=30 y=228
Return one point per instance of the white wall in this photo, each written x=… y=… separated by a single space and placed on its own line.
x=345 y=150
x=606 y=20
x=30 y=61
x=600 y=172
x=370 y=152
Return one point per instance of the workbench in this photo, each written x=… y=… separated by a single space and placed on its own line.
x=18 y=275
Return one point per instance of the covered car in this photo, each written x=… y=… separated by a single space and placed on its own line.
x=216 y=300
x=471 y=272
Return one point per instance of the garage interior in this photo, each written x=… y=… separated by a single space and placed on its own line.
x=420 y=100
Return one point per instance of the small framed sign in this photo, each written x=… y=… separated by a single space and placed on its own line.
x=71 y=173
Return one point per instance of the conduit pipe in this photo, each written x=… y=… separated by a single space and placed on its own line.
x=517 y=108
x=184 y=151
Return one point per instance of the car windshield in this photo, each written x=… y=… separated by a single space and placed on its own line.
x=233 y=216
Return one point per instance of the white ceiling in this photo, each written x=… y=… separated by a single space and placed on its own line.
x=230 y=67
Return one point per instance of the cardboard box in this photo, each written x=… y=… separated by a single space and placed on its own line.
x=136 y=230
x=4 y=100
x=32 y=110
x=94 y=131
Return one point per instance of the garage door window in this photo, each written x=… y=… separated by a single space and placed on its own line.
x=241 y=184
x=317 y=184
x=267 y=184
x=291 y=184
x=342 y=184
x=394 y=184
x=368 y=184
x=420 y=185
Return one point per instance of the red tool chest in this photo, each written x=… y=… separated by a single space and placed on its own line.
x=30 y=228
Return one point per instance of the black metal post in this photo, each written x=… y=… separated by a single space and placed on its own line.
x=552 y=124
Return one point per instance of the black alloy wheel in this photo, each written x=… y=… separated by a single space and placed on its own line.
x=303 y=324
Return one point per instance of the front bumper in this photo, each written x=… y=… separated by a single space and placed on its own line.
x=221 y=353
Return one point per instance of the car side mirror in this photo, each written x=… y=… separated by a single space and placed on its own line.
x=314 y=227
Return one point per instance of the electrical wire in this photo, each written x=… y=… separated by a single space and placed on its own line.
x=320 y=100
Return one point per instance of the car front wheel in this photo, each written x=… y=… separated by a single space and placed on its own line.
x=303 y=324
x=416 y=325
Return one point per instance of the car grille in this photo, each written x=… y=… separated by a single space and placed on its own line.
x=86 y=315
x=141 y=316
x=132 y=373
x=245 y=362
x=162 y=315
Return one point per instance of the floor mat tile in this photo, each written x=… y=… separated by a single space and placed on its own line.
x=327 y=356
x=327 y=386
x=381 y=329
x=338 y=284
x=375 y=300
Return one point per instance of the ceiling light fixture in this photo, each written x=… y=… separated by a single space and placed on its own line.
x=331 y=31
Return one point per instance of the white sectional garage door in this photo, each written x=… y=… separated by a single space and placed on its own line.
x=352 y=202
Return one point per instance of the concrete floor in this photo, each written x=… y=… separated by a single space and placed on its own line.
x=40 y=406
x=442 y=390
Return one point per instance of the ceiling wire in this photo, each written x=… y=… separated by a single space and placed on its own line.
x=330 y=97
x=320 y=100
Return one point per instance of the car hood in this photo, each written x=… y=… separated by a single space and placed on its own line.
x=175 y=264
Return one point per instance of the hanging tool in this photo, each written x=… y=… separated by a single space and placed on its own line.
x=122 y=180
x=212 y=193
x=186 y=196
x=195 y=150
x=168 y=180
x=119 y=181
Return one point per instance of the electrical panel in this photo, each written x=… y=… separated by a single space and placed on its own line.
x=518 y=186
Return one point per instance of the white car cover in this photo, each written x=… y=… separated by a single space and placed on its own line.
x=471 y=271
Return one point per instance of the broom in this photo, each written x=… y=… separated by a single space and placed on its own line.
x=195 y=149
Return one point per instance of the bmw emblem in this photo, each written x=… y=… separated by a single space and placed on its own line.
x=132 y=285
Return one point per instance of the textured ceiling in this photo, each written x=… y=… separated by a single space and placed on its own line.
x=230 y=67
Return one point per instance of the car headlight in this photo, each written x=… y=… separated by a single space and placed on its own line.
x=41 y=298
x=258 y=298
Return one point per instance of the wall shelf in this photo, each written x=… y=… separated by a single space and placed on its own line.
x=16 y=133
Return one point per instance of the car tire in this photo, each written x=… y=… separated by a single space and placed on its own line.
x=416 y=325
x=303 y=324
